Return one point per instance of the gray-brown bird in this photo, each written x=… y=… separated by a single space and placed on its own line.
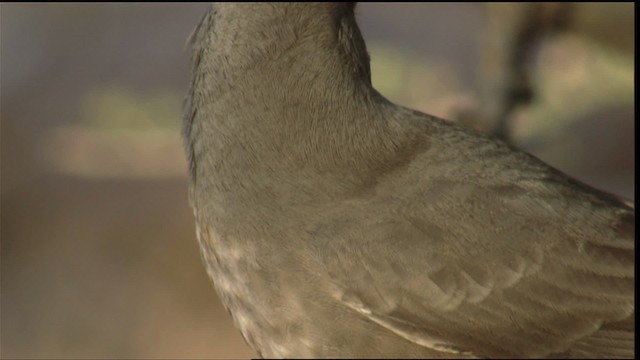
x=335 y=223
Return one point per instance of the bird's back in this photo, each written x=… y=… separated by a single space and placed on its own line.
x=472 y=247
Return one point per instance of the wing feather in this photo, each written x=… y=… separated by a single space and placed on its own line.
x=534 y=284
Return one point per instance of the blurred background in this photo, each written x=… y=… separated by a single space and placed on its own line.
x=98 y=251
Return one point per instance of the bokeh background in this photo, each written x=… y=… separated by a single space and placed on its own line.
x=98 y=252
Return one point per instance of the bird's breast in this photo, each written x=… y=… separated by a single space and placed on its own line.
x=269 y=316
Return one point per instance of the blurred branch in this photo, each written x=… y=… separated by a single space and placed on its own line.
x=539 y=20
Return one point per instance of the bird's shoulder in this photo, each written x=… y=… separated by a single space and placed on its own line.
x=482 y=250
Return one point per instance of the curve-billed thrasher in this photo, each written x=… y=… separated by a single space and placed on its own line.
x=335 y=223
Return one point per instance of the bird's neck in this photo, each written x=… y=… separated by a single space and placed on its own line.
x=281 y=53
x=282 y=90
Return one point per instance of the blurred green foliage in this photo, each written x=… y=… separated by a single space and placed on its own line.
x=118 y=107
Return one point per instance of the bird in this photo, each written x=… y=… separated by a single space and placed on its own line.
x=335 y=223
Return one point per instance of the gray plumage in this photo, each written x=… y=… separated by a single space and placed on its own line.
x=335 y=223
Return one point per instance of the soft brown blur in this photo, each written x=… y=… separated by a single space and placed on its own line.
x=99 y=255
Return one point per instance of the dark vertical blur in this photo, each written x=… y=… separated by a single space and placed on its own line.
x=98 y=252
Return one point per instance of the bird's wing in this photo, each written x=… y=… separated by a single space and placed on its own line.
x=525 y=267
